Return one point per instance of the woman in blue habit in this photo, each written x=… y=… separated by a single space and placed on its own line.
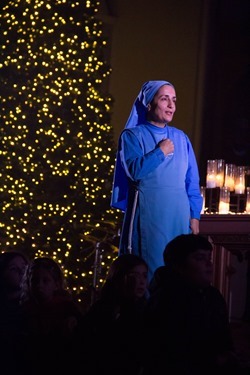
x=156 y=179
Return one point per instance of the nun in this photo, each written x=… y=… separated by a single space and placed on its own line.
x=156 y=179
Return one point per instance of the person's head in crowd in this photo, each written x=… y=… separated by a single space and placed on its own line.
x=190 y=256
x=127 y=278
x=12 y=267
x=43 y=280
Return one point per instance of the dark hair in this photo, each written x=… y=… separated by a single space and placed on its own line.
x=48 y=264
x=180 y=247
x=5 y=259
x=122 y=265
x=119 y=269
x=7 y=256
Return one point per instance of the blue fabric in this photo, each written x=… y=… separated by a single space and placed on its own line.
x=168 y=187
x=137 y=116
x=168 y=190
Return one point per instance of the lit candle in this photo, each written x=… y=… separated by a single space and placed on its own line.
x=230 y=176
x=229 y=182
x=223 y=207
x=224 y=200
x=239 y=188
x=219 y=179
x=211 y=173
x=220 y=172
x=240 y=180
x=211 y=181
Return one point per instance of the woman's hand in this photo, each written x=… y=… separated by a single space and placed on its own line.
x=166 y=146
x=195 y=226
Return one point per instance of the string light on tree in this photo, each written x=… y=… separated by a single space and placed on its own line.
x=56 y=140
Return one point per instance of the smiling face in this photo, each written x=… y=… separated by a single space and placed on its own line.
x=161 y=110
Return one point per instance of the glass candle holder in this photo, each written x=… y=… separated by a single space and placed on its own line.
x=247 y=176
x=230 y=176
x=224 y=200
x=220 y=173
x=248 y=200
x=203 y=194
x=211 y=173
x=240 y=180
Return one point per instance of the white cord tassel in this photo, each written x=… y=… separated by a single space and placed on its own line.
x=131 y=223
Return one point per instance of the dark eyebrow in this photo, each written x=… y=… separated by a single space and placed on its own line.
x=167 y=96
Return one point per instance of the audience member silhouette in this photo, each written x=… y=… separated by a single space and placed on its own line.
x=111 y=330
x=12 y=268
x=187 y=317
x=50 y=316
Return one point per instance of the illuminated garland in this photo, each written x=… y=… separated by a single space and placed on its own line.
x=57 y=150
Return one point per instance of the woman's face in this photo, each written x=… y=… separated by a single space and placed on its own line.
x=162 y=109
x=137 y=281
x=43 y=285
x=14 y=272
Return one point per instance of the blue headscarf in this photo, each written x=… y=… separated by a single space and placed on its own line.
x=137 y=116
x=146 y=95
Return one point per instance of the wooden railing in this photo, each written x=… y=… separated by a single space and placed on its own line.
x=230 y=235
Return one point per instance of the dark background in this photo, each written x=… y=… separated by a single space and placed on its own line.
x=225 y=125
x=202 y=46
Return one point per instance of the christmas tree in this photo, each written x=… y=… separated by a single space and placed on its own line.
x=57 y=148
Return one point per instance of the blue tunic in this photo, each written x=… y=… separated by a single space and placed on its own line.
x=163 y=192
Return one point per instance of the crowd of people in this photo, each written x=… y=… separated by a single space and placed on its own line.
x=38 y=315
x=176 y=323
